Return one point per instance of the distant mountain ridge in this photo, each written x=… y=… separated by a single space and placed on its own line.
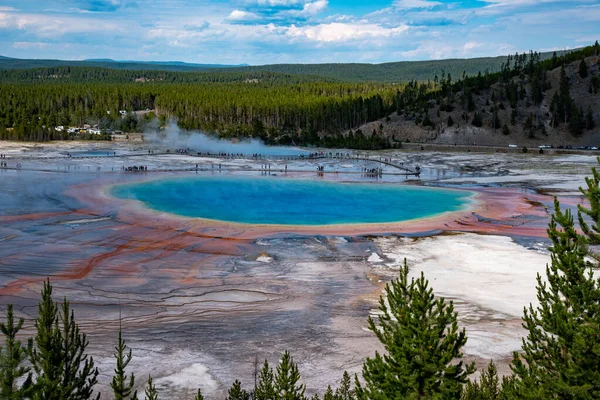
x=7 y=63
x=166 y=63
x=401 y=71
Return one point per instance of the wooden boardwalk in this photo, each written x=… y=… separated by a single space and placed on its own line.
x=311 y=157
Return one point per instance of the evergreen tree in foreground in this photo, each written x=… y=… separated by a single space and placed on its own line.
x=422 y=342
x=199 y=395
x=46 y=357
x=345 y=391
x=236 y=392
x=122 y=389
x=63 y=370
x=287 y=386
x=561 y=354
x=79 y=374
x=12 y=357
x=329 y=395
x=151 y=392
x=265 y=389
x=487 y=388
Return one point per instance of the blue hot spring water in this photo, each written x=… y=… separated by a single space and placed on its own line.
x=283 y=201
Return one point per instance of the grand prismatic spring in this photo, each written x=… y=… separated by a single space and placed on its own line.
x=277 y=201
x=214 y=263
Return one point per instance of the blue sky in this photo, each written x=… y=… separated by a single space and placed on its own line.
x=291 y=31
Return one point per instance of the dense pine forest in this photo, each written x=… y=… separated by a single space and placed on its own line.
x=299 y=109
x=278 y=112
x=559 y=359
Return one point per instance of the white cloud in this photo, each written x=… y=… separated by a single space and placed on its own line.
x=341 y=32
x=241 y=15
x=279 y=3
x=287 y=11
x=30 y=45
x=315 y=7
x=411 y=4
x=45 y=25
x=471 y=45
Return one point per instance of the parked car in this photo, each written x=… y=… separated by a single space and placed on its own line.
x=513 y=146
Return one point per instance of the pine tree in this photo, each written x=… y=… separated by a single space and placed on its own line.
x=345 y=390
x=565 y=102
x=46 y=357
x=577 y=123
x=265 y=389
x=62 y=368
x=79 y=374
x=495 y=119
x=329 y=395
x=560 y=356
x=488 y=387
x=12 y=357
x=151 y=392
x=583 y=69
x=589 y=119
x=236 y=392
x=122 y=389
x=287 y=386
x=422 y=342
x=199 y=395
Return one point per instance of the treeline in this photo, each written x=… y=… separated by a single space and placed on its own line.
x=277 y=113
x=70 y=74
x=423 y=359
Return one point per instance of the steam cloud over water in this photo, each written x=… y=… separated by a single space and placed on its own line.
x=173 y=136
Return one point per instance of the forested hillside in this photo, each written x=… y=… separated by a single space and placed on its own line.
x=529 y=95
x=530 y=100
x=274 y=111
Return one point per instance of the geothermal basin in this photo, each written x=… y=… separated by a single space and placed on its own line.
x=216 y=263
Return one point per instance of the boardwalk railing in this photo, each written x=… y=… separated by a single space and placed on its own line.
x=228 y=156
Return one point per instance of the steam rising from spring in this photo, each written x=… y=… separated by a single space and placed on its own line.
x=174 y=137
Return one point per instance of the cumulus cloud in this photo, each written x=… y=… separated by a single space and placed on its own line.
x=271 y=31
x=44 y=25
x=106 y=5
x=202 y=26
x=341 y=32
x=237 y=16
x=277 y=3
x=30 y=45
x=283 y=12
x=412 y=4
